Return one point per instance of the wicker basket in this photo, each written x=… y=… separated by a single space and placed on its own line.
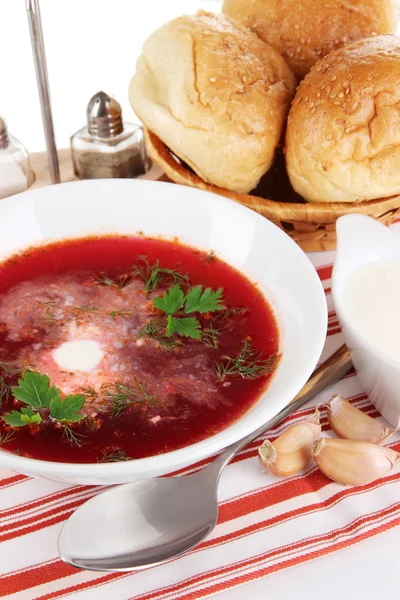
x=311 y=225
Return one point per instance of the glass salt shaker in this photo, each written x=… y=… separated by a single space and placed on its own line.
x=16 y=174
x=108 y=147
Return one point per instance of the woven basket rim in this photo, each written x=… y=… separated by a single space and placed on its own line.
x=316 y=212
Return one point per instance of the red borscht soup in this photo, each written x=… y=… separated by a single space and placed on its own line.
x=118 y=348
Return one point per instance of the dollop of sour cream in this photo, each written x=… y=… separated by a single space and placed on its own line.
x=79 y=355
x=371 y=300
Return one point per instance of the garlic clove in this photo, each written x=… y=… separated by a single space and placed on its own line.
x=291 y=451
x=352 y=462
x=350 y=423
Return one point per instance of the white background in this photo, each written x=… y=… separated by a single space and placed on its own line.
x=91 y=45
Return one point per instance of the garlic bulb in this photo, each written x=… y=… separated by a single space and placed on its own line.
x=350 y=423
x=351 y=462
x=291 y=451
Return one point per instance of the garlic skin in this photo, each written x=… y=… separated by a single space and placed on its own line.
x=291 y=451
x=351 y=462
x=350 y=423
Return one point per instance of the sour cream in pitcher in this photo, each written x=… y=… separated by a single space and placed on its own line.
x=372 y=301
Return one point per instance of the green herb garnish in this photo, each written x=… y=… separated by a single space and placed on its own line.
x=250 y=364
x=26 y=416
x=189 y=327
x=205 y=301
x=89 y=392
x=6 y=437
x=73 y=436
x=210 y=335
x=232 y=312
x=156 y=331
x=43 y=402
x=196 y=300
x=113 y=455
x=123 y=395
x=152 y=275
x=87 y=308
x=121 y=313
x=119 y=283
x=6 y=370
x=50 y=317
x=209 y=258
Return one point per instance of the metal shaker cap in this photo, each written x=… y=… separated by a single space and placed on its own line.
x=104 y=116
x=3 y=133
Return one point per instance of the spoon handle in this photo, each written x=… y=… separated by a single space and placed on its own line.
x=333 y=369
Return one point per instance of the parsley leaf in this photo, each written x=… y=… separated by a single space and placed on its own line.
x=33 y=389
x=171 y=301
x=189 y=327
x=19 y=419
x=205 y=301
x=67 y=409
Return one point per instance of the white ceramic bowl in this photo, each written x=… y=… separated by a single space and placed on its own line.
x=238 y=235
x=361 y=240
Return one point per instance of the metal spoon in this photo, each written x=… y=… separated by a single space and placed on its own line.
x=149 y=522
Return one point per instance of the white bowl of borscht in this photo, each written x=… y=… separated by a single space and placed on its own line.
x=145 y=326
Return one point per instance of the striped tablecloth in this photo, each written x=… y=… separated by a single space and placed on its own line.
x=266 y=524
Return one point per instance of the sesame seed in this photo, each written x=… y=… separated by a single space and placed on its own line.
x=329 y=136
x=244 y=79
x=212 y=80
x=312 y=110
x=337 y=41
x=347 y=130
x=374 y=33
x=370 y=77
x=307 y=98
x=332 y=95
x=309 y=41
x=328 y=88
x=297 y=26
x=345 y=84
x=298 y=49
x=344 y=40
x=311 y=104
x=333 y=78
x=341 y=95
x=337 y=103
x=318 y=94
x=347 y=91
x=302 y=40
x=319 y=68
x=241 y=91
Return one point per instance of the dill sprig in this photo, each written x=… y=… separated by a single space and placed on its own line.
x=152 y=275
x=208 y=258
x=89 y=392
x=73 y=436
x=50 y=317
x=156 y=330
x=87 y=308
x=210 y=336
x=226 y=314
x=7 y=370
x=250 y=364
x=123 y=395
x=6 y=437
x=113 y=455
x=121 y=313
x=120 y=283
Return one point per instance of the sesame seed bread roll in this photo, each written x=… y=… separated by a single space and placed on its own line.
x=304 y=31
x=216 y=95
x=343 y=132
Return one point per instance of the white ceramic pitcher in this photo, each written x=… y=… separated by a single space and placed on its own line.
x=362 y=240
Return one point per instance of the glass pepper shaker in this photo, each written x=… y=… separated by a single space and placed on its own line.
x=108 y=147
x=16 y=174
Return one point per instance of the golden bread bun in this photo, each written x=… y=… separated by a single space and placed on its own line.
x=216 y=95
x=343 y=132
x=304 y=31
